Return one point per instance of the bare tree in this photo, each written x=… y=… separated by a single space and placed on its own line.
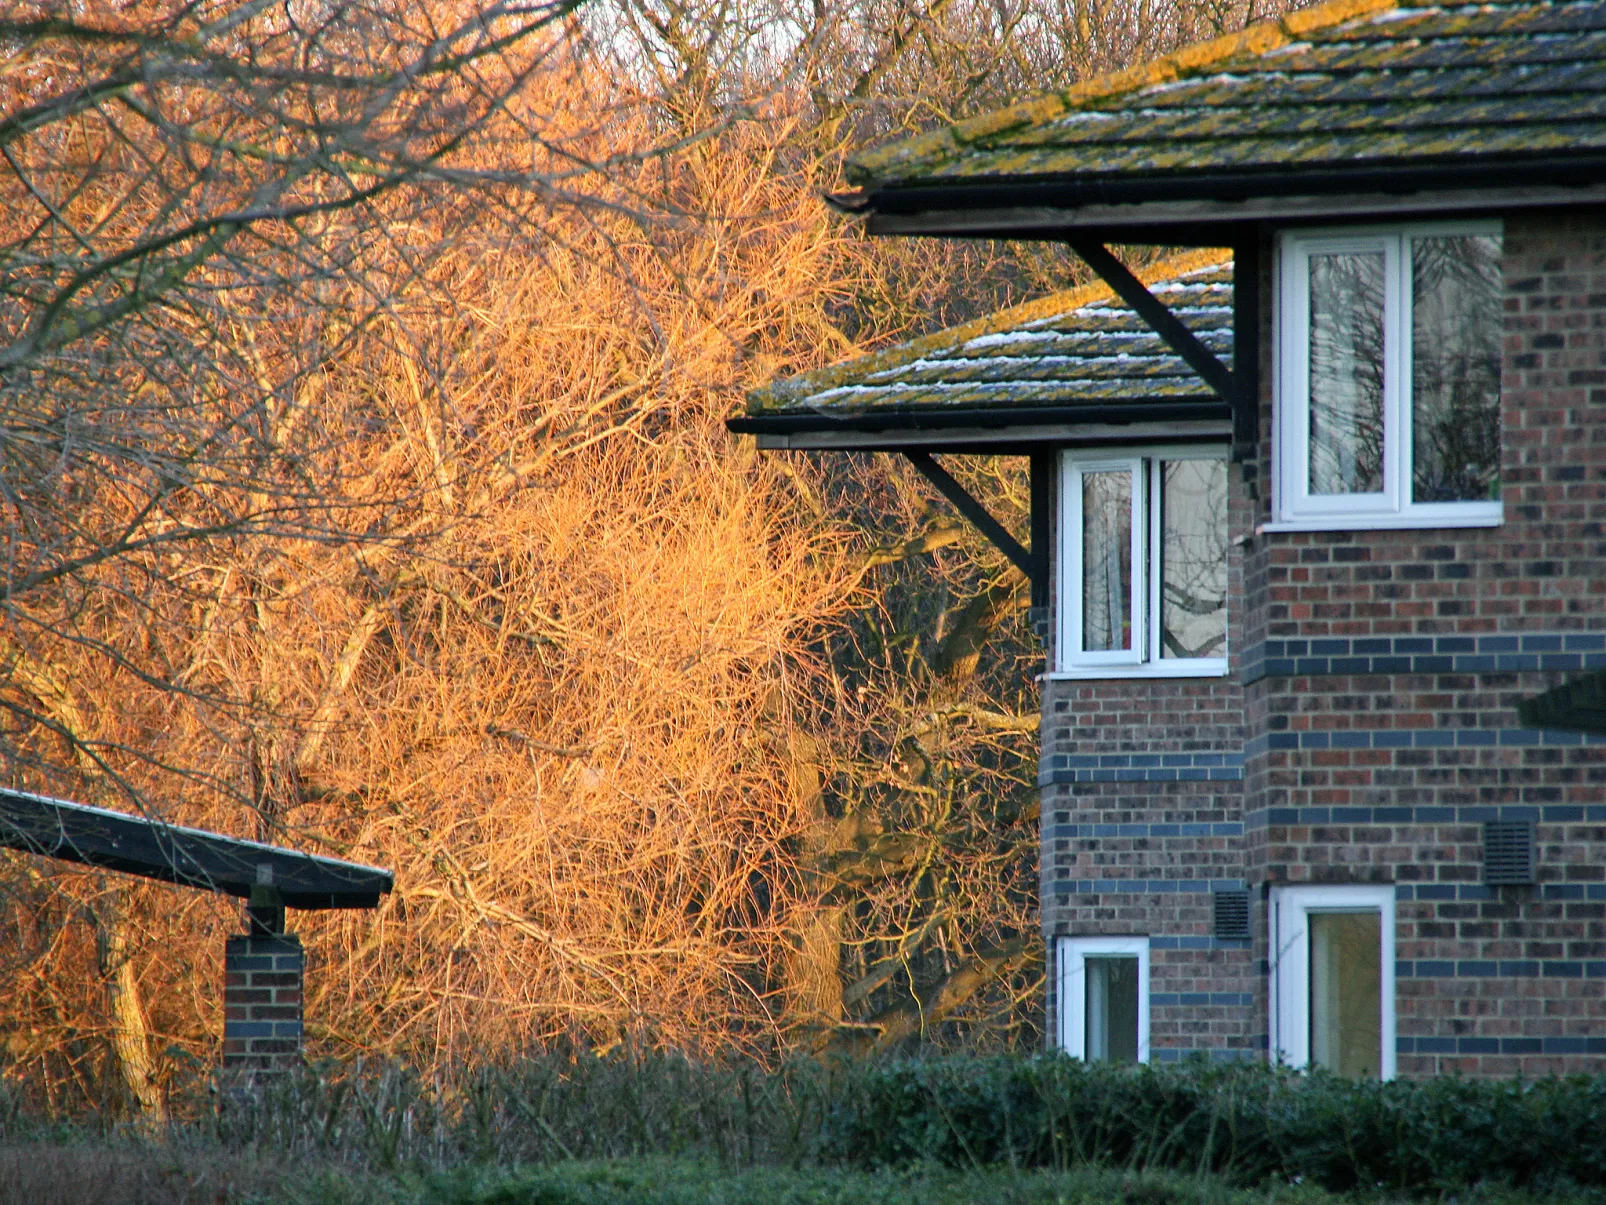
x=204 y=205
x=366 y=489
x=208 y=210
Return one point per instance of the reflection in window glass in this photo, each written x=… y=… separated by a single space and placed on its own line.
x=1346 y=992
x=1106 y=561
x=1346 y=373
x=1112 y=1010
x=1193 y=558
x=1455 y=368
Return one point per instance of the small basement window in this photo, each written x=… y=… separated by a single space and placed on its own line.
x=1104 y=998
x=1388 y=381
x=1144 y=575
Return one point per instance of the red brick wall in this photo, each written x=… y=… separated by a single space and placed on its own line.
x=1142 y=785
x=262 y=989
x=1377 y=728
x=1433 y=637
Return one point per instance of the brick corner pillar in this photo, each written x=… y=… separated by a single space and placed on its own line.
x=262 y=980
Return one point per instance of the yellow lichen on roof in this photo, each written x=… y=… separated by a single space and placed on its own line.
x=792 y=390
x=1260 y=38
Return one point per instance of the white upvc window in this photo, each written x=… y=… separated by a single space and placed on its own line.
x=1143 y=575
x=1104 y=998
x=1388 y=377
x=1332 y=979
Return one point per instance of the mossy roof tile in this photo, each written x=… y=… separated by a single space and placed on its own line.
x=1345 y=83
x=1078 y=347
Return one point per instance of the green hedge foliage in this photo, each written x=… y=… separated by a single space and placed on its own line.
x=1249 y=1122
x=1251 y=1125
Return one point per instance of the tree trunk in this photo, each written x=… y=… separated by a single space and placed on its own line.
x=130 y=1034
x=911 y=1017
x=815 y=973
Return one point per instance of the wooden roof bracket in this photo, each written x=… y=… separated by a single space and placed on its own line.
x=1239 y=389
x=1033 y=562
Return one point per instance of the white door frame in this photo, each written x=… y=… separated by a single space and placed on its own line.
x=1289 y=959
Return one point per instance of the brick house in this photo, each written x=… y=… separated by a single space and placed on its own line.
x=1312 y=515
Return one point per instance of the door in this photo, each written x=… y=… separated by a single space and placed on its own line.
x=1332 y=979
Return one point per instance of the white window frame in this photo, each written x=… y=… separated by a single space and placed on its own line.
x=1296 y=508
x=1289 y=995
x=1071 y=956
x=1143 y=659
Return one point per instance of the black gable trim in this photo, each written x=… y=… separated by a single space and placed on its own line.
x=1572 y=170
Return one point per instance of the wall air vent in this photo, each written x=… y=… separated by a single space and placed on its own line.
x=1508 y=853
x=1232 y=915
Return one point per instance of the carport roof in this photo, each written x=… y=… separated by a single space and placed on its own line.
x=190 y=857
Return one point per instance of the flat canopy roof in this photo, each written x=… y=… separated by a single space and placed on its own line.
x=1058 y=370
x=191 y=857
x=1374 y=104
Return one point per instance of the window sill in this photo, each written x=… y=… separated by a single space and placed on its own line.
x=1381 y=522
x=1201 y=669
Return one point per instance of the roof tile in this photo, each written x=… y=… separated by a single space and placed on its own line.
x=1338 y=85
x=1081 y=346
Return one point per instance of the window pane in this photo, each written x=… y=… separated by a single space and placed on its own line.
x=1346 y=373
x=1106 y=561
x=1455 y=368
x=1193 y=558
x=1346 y=992
x=1112 y=1010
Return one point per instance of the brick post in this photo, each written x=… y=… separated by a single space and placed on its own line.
x=262 y=977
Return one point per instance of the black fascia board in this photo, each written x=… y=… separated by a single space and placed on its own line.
x=894 y=418
x=190 y=857
x=1071 y=191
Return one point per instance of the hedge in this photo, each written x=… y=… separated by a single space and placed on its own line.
x=1249 y=1122
x=1252 y=1124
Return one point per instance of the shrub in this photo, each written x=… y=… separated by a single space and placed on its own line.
x=1250 y=1122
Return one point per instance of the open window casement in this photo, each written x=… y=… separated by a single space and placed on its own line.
x=1104 y=998
x=1332 y=979
x=1143 y=586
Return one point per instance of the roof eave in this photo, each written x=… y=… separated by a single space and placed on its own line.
x=1576 y=706
x=1034 y=205
x=978 y=417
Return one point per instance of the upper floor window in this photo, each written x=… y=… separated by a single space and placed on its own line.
x=1144 y=576
x=1388 y=388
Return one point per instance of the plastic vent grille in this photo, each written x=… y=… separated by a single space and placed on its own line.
x=1508 y=852
x=1232 y=915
